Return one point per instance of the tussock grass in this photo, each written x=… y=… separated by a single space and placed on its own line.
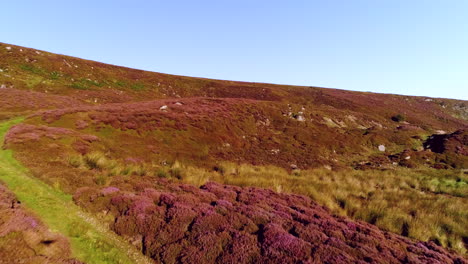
x=424 y=204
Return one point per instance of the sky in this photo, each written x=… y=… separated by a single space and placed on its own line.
x=411 y=47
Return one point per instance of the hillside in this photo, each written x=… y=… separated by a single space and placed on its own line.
x=140 y=151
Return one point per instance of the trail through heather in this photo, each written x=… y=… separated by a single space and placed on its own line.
x=91 y=241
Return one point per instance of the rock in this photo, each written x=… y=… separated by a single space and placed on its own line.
x=440 y=132
x=3 y=86
x=163 y=108
x=300 y=118
x=8 y=48
x=293 y=166
x=178 y=103
x=382 y=148
x=407 y=157
x=275 y=151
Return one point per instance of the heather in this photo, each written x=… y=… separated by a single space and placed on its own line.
x=193 y=170
x=426 y=204
x=177 y=223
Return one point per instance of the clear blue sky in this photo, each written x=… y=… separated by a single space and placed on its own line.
x=414 y=47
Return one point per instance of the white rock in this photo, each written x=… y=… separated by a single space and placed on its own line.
x=178 y=103
x=440 y=132
x=300 y=118
x=164 y=107
x=381 y=148
x=3 y=86
x=407 y=157
x=8 y=48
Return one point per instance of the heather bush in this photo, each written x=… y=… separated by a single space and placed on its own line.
x=402 y=200
x=253 y=226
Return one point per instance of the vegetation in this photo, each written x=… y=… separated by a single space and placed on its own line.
x=114 y=147
x=424 y=204
x=399 y=118
x=91 y=241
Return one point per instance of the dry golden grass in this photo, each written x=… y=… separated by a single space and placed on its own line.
x=424 y=204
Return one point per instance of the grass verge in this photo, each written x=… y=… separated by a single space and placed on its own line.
x=91 y=241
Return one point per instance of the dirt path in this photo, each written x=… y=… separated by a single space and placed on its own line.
x=91 y=241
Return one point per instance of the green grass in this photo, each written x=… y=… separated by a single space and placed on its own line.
x=31 y=68
x=137 y=86
x=91 y=241
x=55 y=75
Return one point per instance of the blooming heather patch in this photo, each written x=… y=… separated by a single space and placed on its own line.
x=23 y=132
x=216 y=223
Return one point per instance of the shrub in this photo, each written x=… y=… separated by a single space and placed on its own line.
x=399 y=118
x=220 y=168
x=161 y=174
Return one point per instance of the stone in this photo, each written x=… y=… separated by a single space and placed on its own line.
x=300 y=118
x=382 y=148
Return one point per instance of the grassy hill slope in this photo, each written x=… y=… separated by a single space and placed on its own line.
x=93 y=128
